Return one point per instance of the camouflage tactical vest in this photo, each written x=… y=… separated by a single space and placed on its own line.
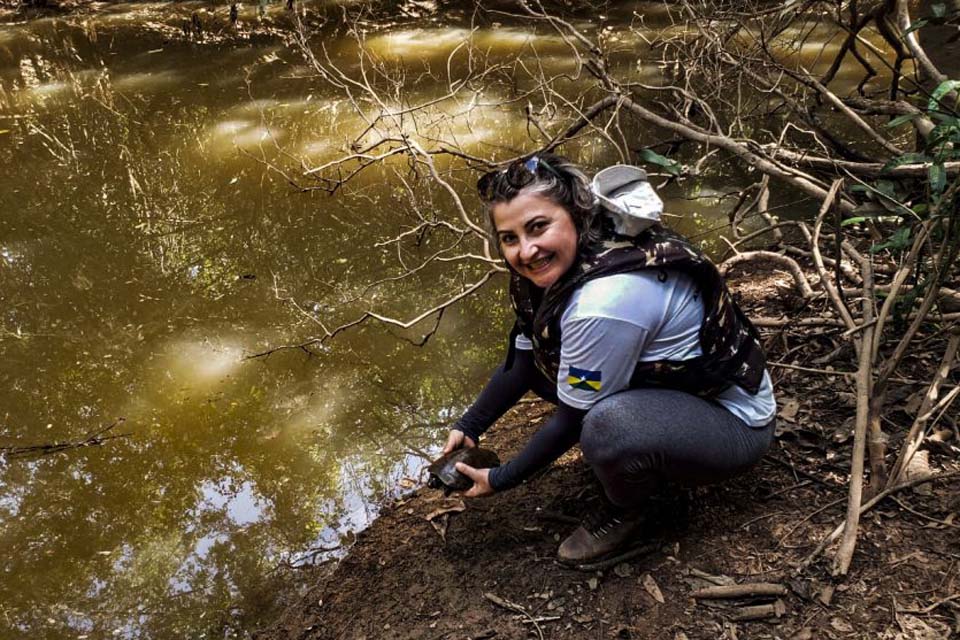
x=731 y=347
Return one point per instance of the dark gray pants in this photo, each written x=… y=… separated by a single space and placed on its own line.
x=640 y=440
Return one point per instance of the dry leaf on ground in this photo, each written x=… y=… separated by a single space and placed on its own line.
x=652 y=588
x=913 y=628
x=789 y=409
x=456 y=508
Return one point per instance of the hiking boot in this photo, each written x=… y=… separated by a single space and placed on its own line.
x=603 y=532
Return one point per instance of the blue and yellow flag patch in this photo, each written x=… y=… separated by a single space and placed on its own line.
x=584 y=379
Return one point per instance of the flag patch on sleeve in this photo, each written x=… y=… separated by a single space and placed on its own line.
x=584 y=379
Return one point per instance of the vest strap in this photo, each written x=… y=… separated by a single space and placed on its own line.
x=512 y=347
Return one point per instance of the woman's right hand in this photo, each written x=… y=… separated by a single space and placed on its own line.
x=457 y=439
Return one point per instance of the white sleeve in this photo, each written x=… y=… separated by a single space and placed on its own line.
x=597 y=358
x=522 y=343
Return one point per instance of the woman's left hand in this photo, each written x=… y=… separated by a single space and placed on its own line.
x=481 y=481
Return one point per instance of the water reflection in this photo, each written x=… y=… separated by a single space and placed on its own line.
x=237 y=500
x=146 y=81
x=418 y=43
x=425 y=44
x=224 y=137
x=314 y=150
x=200 y=364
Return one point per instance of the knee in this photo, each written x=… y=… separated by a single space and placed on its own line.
x=597 y=438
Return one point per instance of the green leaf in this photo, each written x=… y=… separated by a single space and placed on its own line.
x=899 y=120
x=906 y=158
x=937 y=174
x=942 y=89
x=943 y=132
x=940 y=117
x=944 y=141
x=887 y=194
x=898 y=241
x=671 y=166
x=887 y=188
x=854 y=220
x=938 y=10
x=917 y=24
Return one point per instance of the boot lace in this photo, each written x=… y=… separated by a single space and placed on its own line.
x=605 y=519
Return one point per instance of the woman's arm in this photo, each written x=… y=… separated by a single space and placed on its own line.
x=561 y=432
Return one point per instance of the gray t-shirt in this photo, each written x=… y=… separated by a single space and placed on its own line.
x=612 y=323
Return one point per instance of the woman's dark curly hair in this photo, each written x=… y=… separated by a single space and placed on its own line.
x=560 y=181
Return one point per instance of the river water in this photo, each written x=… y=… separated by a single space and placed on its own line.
x=146 y=249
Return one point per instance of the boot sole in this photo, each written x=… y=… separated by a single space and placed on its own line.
x=612 y=558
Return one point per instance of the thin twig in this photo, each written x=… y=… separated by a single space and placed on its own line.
x=94 y=439
x=516 y=608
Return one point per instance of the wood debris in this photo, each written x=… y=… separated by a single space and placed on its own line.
x=740 y=591
x=652 y=588
x=760 y=611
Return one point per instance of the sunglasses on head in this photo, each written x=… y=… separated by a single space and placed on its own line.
x=517 y=174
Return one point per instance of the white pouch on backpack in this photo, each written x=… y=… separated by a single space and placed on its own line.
x=628 y=198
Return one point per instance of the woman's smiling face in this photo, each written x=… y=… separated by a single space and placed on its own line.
x=537 y=237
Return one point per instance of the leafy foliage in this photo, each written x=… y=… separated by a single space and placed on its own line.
x=919 y=195
x=939 y=14
x=670 y=166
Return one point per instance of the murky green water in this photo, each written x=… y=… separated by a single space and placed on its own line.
x=145 y=251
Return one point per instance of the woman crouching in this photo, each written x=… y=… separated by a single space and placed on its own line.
x=631 y=332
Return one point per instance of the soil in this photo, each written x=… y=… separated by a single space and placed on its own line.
x=447 y=568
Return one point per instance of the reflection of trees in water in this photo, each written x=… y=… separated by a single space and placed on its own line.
x=86 y=506
x=128 y=302
x=128 y=516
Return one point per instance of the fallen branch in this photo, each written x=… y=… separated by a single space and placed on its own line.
x=370 y=315
x=807 y=517
x=824 y=372
x=776 y=323
x=801 y=281
x=540 y=619
x=798 y=179
x=929 y=608
x=862 y=169
x=760 y=611
x=740 y=591
x=910 y=38
x=923 y=516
